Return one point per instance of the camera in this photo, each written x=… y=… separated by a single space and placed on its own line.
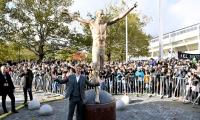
x=195 y=82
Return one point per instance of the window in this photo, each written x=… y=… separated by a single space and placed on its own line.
x=166 y=36
x=173 y=34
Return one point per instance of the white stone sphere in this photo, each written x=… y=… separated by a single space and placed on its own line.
x=120 y=105
x=34 y=105
x=46 y=110
x=125 y=99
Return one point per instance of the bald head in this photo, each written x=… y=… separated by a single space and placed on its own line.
x=3 y=69
x=99 y=14
x=25 y=68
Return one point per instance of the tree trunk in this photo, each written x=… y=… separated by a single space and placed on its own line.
x=109 y=56
x=41 y=56
x=41 y=53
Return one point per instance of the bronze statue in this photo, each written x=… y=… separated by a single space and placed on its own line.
x=98 y=29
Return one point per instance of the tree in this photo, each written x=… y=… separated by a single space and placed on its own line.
x=5 y=50
x=81 y=41
x=39 y=26
x=65 y=54
x=2 y=11
x=2 y=6
x=138 y=41
x=14 y=52
x=2 y=51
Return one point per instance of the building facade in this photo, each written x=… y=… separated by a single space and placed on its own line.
x=185 y=40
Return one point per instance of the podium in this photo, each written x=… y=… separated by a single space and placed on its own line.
x=105 y=110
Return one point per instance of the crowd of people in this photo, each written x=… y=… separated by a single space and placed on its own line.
x=170 y=77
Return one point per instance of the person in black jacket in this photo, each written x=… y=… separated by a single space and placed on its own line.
x=27 y=83
x=7 y=88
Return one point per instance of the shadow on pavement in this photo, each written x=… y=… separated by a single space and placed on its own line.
x=135 y=101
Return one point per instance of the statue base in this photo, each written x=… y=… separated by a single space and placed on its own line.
x=105 y=110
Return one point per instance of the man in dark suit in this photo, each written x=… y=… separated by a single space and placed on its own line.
x=76 y=92
x=27 y=83
x=7 y=88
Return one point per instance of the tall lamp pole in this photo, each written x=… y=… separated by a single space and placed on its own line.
x=199 y=39
x=160 y=31
x=126 y=39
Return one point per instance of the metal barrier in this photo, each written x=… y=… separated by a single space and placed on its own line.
x=158 y=85
x=150 y=84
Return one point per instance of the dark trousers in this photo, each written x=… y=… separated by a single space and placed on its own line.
x=155 y=85
x=141 y=87
x=12 y=97
x=29 y=90
x=79 y=109
x=170 y=89
x=194 y=97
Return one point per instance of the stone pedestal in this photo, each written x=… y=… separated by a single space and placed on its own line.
x=105 y=110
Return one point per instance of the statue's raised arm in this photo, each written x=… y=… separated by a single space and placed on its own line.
x=121 y=15
x=77 y=17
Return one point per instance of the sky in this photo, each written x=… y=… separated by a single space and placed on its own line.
x=176 y=13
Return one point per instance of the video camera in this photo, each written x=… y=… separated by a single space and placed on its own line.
x=196 y=80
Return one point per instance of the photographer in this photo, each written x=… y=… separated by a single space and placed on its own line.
x=27 y=83
x=195 y=86
x=189 y=78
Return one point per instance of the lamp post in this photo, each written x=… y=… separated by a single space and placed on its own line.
x=160 y=31
x=126 y=39
x=198 y=39
x=19 y=50
x=171 y=47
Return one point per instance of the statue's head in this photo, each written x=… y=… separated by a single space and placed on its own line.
x=99 y=14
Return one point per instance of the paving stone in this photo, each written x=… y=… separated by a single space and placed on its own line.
x=141 y=108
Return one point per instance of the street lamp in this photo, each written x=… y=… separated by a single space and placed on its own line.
x=198 y=39
x=19 y=50
x=126 y=39
x=160 y=31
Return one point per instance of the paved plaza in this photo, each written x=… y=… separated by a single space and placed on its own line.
x=19 y=98
x=140 y=108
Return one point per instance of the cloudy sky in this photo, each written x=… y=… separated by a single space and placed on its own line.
x=176 y=13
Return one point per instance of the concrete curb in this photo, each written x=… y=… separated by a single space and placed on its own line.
x=3 y=116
